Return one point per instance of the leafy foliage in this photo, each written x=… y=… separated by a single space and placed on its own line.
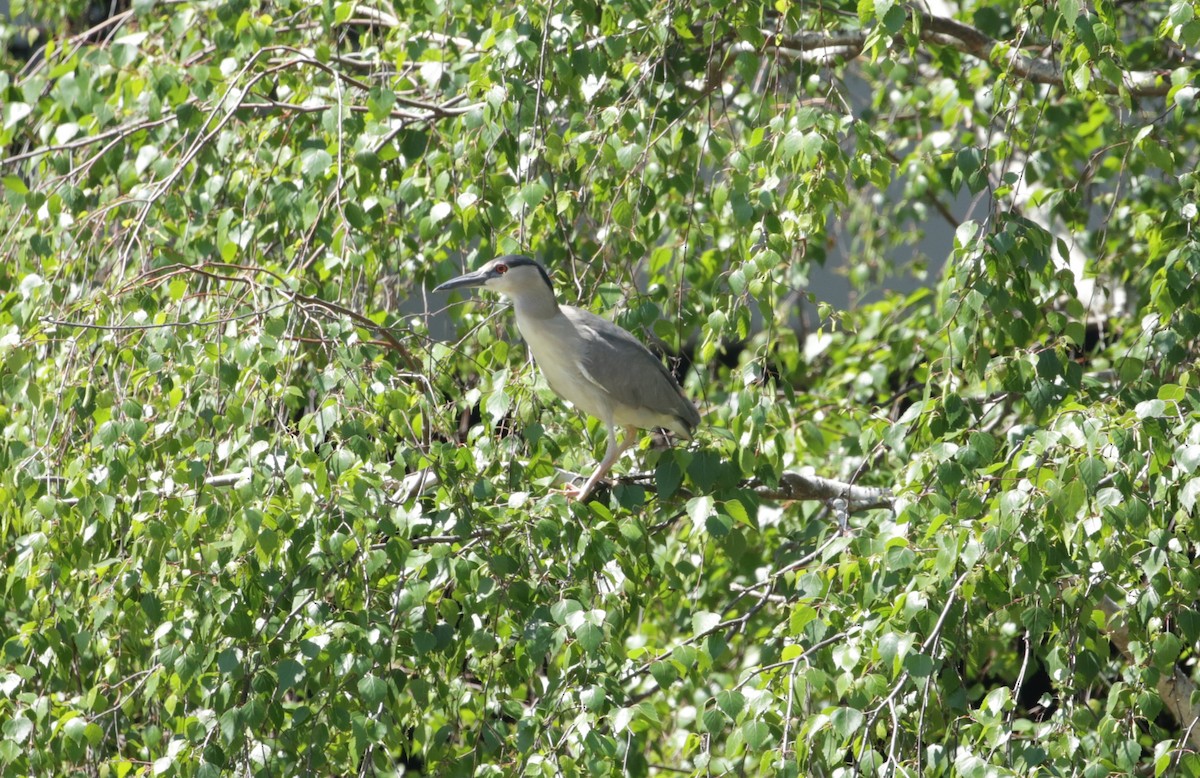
x=260 y=513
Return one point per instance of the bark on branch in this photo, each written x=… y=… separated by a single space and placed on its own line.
x=940 y=31
x=794 y=486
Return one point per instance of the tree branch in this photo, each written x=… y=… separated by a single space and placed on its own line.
x=941 y=31
x=794 y=486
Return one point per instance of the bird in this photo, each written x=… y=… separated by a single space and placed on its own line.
x=597 y=366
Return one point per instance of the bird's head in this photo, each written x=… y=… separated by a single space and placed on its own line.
x=511 y=275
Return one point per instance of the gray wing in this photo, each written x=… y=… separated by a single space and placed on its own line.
x=628 y=371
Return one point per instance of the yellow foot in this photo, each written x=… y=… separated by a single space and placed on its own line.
x=573 y=492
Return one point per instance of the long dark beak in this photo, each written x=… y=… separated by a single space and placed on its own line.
x=470 y=279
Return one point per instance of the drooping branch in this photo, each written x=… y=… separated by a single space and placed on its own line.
x=941 y=31
x=225 y=272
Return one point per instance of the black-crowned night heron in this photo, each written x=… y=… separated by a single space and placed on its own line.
x=592 y=363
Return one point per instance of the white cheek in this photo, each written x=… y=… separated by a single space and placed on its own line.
x=497 y=284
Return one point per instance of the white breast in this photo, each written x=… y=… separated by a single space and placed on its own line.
x=555 y=345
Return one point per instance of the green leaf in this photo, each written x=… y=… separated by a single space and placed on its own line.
x=1092 y=470
x=965 y=234
x=94 y=734
x=997 y=701
x=1070 y=11
x=498 y=405
x=919 y=665
x=622 y=213
x=700 y=509
x=704 y=622
x=440 y=211
x=1167 y=648
x=1037 y=620
x=372 y=688
x=668 y=477
x=664 y=674
x=563 y=609
x=316 y=162
x=1151 y=409
x=533 y=193
x=75 y=728
x=18 y=729
x=629 y=155
x=756 y=733
x=893 y=647
x=731 y=702
x=593 y=699
x=590 y=636
x=342 y=12
x=847 y=721
x=14 y=112
x=15 y=184
x=894 y=19
x=791 y=144
x=969 y=162
x=713 y=720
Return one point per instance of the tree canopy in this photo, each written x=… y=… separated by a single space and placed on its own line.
x=269 y=507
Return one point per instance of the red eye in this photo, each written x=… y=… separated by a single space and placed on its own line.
x=500 y=269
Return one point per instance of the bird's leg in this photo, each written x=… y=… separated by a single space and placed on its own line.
x=610 y=458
